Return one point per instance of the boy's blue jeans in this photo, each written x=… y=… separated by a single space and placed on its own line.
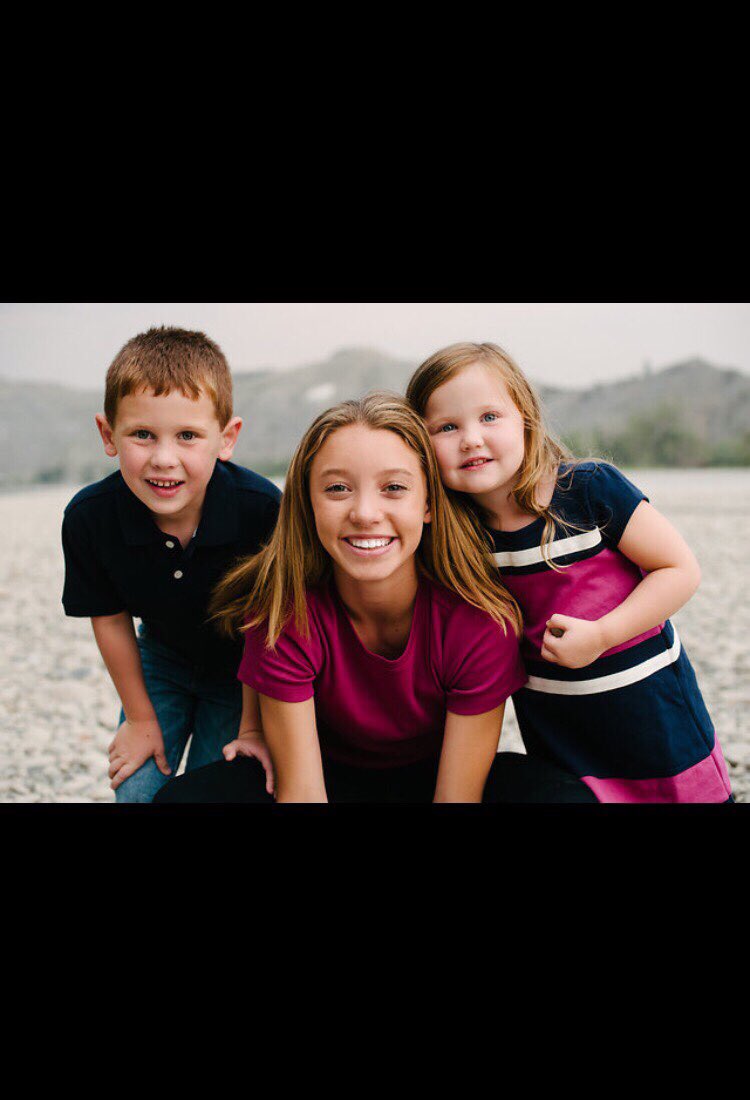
x=188 y=700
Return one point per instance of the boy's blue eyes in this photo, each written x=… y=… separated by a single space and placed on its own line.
x=143 y=434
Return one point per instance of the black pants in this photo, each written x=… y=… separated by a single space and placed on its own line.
x=513 y=777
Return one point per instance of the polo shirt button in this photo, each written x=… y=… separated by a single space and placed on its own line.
x=177 y=574
x=170 y=544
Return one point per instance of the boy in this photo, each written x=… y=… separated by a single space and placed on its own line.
x=152 y=540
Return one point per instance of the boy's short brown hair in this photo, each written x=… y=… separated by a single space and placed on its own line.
x=165 y=359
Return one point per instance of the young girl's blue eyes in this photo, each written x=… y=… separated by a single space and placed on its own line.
x=487 y=417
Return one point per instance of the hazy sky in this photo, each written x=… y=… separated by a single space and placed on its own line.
x=558 y=343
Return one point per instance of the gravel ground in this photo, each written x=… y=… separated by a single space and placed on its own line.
x=58 y=708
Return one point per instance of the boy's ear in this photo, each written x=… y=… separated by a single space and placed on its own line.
x=106 y=433
x=229 y=437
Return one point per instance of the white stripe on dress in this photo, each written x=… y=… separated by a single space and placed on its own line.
x=557 y=549
x=607 y=683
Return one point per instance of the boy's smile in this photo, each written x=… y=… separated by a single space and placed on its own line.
x=164 y=489
x=168 y=447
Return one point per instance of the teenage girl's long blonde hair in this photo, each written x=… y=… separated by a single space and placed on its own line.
x=272 y=584
x=543 y=454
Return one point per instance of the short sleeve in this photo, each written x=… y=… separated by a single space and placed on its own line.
x=287 y=672
x=483 y=665
x=612 y=500
x=88 y=591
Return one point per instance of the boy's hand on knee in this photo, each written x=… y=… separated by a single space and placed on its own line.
x=132 y=746
x=252 y=744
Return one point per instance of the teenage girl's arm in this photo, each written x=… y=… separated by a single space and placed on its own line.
x=292 y=737
x=250 y=740
x=469 y=746
x=652 y=543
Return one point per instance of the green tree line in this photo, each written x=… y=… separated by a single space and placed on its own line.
x=660 y=437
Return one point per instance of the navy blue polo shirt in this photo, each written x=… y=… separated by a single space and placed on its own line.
x=117 y=559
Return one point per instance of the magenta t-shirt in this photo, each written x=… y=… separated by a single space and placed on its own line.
x=375 y=712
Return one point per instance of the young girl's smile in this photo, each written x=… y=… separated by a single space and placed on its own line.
x=369 y=497
x=477 y=431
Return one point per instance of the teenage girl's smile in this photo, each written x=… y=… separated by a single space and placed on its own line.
x=369 y=498
x=369 y=545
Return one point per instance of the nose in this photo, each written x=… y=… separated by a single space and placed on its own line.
x=163 y=456
x=471 y=439
x=366 y=510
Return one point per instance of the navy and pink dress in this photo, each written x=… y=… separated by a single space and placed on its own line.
x=632 y=725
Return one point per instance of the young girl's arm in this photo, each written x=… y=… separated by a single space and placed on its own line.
x=652 y=543
x=469 y=747
x=292 y=737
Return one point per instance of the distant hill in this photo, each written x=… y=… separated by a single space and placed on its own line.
x=691 y=413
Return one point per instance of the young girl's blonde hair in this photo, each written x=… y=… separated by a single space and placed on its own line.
x=543 y=454
x=270 y=585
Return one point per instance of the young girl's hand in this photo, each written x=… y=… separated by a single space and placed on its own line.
x=581 y=643
x=251 y=743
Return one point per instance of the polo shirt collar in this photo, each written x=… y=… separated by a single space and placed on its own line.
x=218 y=523
x=137 y=524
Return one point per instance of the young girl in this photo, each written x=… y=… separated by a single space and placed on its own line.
x=597 y=572
x=378 y=636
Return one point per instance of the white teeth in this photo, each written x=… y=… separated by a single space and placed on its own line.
x=163 y=484
x=368 y=544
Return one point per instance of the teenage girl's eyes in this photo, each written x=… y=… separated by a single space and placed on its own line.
x=339 y=487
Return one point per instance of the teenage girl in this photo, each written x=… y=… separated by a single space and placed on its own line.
x=379 y=639
x=596 y=571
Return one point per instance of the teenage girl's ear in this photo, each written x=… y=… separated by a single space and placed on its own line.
x=229 y=437
x=427 y=514
x=106 y=433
